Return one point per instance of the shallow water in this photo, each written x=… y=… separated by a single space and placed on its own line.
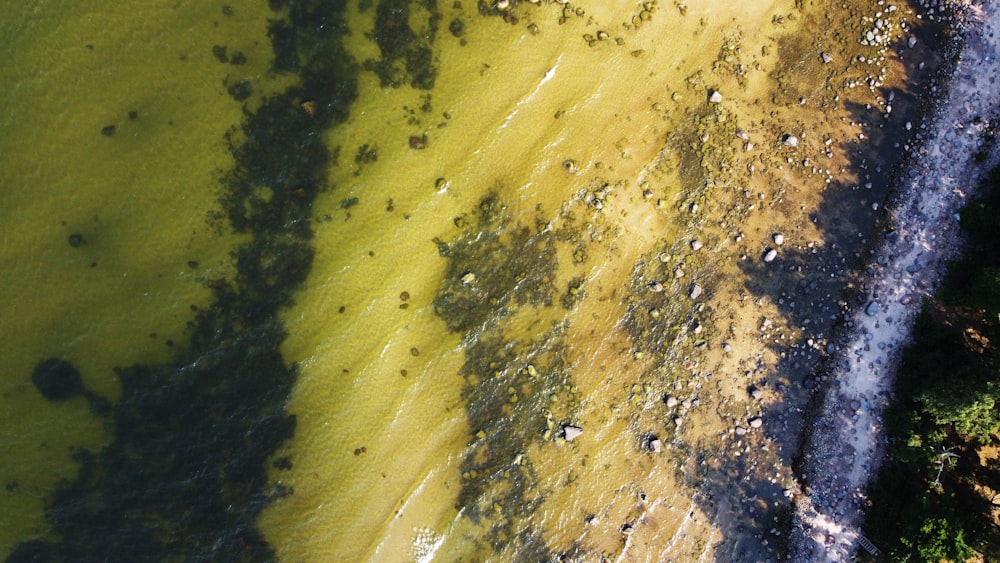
x=138 y=199
x=472 y=267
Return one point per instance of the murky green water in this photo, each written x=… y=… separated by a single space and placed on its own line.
x=112 y=149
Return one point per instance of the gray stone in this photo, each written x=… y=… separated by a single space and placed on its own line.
x=872 y=309
x=695 y=291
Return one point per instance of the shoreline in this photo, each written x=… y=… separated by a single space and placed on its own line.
x=844 y=445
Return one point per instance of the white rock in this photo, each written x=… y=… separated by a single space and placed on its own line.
x=790 y=140
x=779 y=239
x=571 y=432
x=714 y=97
x=695 y=291
x=655 y=446
x=770 y=254
x=756 y=422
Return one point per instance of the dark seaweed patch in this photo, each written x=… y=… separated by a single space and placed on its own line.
x=517 y=391
x=57 y=380
x=184 y=477
x=492 y=268
x=240 y=90
x=406 y=54
x=219 y=52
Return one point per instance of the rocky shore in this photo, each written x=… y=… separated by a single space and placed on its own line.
x=844 y=440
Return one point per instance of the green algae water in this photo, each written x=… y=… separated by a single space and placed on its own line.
x=342 y=281
x=114 y=149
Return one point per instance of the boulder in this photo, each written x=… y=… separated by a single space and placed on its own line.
x=714 y=97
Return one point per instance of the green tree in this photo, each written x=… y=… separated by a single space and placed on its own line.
x=938 y=539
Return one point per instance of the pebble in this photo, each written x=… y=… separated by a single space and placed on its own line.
x=714 y=97
x=756 y=422
x=770 y=254
x=790 y=140
x=779 y=239
x=872 y=309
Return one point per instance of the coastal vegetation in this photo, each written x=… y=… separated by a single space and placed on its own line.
x=938 y=497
